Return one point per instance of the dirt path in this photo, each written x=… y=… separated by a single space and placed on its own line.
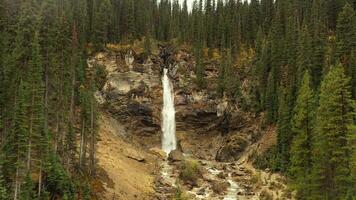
x=129 y=170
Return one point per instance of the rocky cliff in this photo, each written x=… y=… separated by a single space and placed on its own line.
x=133 y=95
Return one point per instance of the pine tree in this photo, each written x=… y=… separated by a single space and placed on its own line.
x=221 y=79
x=318 y=54
x=345 y=34
x=27 y=189
x=3 y=188
x=352 y=72
x=302 y=126
x=36 y=110
x=352 y=144
x=200 y=70
x=271 y=98
x=304 y=51
x=345 y=42
x=102 y=23
x=229 y=75
x=283 y=130
x=331 y=169
x=16 y=146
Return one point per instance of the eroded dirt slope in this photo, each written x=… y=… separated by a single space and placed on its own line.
x=129 y=170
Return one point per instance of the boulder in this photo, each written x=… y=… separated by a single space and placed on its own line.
x=232 y=149
x=222 y=175
x=180 y=100
x=135 y=155
x=235 y=174
x=220 y=187
x=175 y=156
x=158 y=152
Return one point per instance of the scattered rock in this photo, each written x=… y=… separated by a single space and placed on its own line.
x=175 y=156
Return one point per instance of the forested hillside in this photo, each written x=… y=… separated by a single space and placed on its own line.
x=303 y=76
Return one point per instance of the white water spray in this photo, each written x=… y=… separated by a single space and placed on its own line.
x=169 y=141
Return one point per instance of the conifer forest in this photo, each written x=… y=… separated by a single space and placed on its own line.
x=257 y=99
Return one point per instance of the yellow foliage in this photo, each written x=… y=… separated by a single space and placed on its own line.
x=244 y=57
x=216 y=55
x=118 y=47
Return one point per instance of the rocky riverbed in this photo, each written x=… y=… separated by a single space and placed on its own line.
x=219 y=181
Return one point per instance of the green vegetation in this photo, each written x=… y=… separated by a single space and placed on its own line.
x=190 y=172
x=266 y=160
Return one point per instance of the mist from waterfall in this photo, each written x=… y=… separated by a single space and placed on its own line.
x=169 y=141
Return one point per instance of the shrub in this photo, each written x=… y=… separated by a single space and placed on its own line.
x=190 y=172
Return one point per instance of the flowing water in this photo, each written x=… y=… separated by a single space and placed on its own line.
x=169 y=142
x=232 y=190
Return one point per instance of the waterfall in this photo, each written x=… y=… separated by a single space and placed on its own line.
x=169 y=142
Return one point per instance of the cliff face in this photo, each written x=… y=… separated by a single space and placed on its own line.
x=209 y=126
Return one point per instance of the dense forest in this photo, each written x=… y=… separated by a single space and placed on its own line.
x=304 y=77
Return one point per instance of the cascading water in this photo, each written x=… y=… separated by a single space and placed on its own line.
x=169 y=142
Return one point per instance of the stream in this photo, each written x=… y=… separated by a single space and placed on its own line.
x=169 y=144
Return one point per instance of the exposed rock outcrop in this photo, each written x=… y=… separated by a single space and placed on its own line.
x=232 y=149
x=175 y=156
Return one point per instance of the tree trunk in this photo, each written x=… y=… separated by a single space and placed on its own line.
x=40 y=180
x=16 y=191
x=92 y=157
x=31 y=131
x=81 y=144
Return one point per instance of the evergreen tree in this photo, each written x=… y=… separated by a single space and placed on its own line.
x=102 y=23
x=229 y=75
x=200 y=71
x=352 y=144
x=27 y=189
x=345 y=34
x=283 y=131
x=318 y=54
x=16 y=146
x=331 y=169
x=352 y=72
x=302 y=126
x=3 y=188
x=345 y=41
x=304 y=51
x=36 y=110
x=271 y=99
